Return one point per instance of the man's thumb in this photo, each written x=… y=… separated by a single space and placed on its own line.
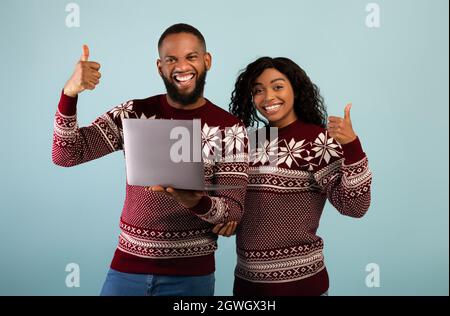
x=85 y=54
x=347 y=111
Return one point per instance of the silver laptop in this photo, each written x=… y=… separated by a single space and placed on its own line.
x=166 y=153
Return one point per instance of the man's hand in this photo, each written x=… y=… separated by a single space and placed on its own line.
x=341 y=128
x=187 y=198
x=225 y=229
x=85 y=76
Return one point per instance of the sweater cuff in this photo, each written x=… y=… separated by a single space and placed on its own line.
x=67 y=105
x=353 y=152
x=203 y=206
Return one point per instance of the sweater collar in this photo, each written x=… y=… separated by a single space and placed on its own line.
x=171 y=111
x=290 y=128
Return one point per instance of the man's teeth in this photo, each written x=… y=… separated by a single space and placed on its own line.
x=183 y=78
x=272 y=108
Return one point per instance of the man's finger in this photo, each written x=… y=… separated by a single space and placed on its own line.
x=89 y=86
x=157 y=188
x=93 y=82
x=188 y=191
x=94 y=65
x=223 y=230
x=235 y=227
x=96 y=74
x=227 y=230
x=216 y=228
x=231 y=228
x=85 y=53
x=347 y=112
x=170 y=190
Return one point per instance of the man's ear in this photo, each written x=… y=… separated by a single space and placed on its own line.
x=208 y=60
x=158 y=65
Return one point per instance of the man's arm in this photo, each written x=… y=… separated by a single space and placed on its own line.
x=73 y=145
x=225 y=205
x=86 y=75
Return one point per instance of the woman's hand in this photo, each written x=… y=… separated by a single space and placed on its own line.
x=341 y=128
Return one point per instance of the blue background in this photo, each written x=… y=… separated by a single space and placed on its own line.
x=396 y=76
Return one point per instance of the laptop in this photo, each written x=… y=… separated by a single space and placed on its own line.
x=166 y=153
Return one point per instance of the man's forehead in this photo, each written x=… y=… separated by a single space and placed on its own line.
x=181 y=44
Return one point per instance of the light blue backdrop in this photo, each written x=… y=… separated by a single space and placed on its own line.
x=396 y=76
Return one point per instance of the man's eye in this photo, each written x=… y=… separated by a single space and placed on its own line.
x=192 y=57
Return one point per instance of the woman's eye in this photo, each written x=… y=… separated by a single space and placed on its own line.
x=278 y=87
x=257 y=91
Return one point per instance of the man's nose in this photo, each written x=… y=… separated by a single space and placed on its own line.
x=182 y=65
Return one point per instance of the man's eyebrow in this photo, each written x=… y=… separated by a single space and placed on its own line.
x=188 y=54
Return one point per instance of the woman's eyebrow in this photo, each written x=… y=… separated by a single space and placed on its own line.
x=277 y=80
x=260 y=84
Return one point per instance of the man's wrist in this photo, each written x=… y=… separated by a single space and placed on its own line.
x=194 y=203
x=203 y=206
x=69 y=93
x=67 y=104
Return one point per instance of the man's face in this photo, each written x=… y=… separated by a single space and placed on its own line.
x=183 y=64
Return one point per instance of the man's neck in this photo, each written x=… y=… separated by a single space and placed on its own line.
x=197 y=104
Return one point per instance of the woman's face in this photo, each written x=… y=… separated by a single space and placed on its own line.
x=273 y=97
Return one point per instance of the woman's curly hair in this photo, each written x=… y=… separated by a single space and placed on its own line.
x=308 y=103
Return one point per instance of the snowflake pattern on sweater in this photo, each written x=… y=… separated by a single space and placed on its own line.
x=276 y=240
x=154 y=226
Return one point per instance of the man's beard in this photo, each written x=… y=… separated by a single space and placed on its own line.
x=189 y=98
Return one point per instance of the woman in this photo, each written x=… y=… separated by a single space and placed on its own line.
x=278 y=250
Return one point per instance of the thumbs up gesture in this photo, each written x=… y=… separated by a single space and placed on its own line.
x=341 y=128
x=85 y=76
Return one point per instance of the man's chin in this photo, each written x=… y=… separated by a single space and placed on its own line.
x=185 y=95
x=185 y=91
x=185 y=98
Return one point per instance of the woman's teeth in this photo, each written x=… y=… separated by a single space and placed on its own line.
x=272 y=108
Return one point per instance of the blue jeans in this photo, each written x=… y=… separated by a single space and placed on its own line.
x=129 y=284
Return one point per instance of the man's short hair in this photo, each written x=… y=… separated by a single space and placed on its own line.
x=182 y=28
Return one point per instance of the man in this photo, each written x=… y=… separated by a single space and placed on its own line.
x=166 y=246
